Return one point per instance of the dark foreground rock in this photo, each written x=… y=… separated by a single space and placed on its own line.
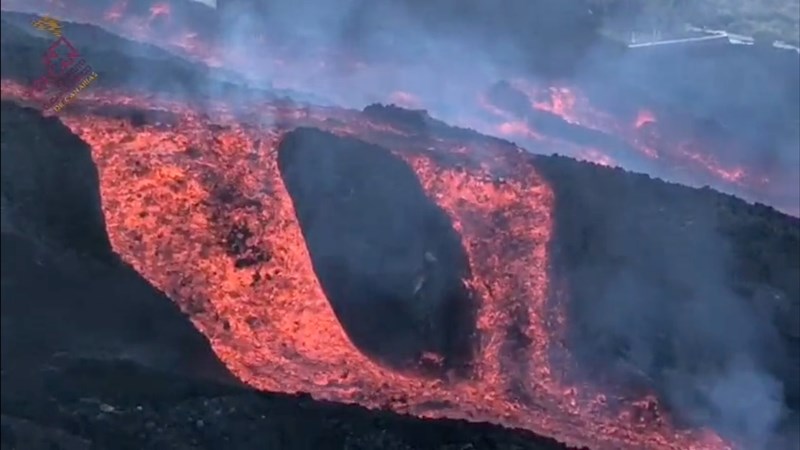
x=119 y=405
x=94 y=357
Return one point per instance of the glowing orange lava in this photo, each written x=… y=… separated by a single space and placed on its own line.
x=271 y=324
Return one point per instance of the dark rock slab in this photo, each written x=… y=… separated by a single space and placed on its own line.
x=50 y=185
x=388 y=257
x=63 y=289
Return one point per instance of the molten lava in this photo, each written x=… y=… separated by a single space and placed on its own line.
x=177 y=189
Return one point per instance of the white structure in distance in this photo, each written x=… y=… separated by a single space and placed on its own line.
x=211 y=3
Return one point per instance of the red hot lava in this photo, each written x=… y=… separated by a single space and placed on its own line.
x=271 y=324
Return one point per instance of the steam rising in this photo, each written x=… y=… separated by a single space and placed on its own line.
x=666 y=315
x=441 y=55
x=735 y=108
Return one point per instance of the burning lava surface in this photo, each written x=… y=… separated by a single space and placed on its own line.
x=384 y=258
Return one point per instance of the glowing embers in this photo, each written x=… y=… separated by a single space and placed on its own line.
x=387 y=257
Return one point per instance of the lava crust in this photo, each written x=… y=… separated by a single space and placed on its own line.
x=388 y=258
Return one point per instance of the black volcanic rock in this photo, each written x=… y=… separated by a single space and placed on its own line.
x=64 y=290
x=388 y=258
x=123 y=406
x=688 y=291
x=419 y=122
x=408 y=119
x=50 y=185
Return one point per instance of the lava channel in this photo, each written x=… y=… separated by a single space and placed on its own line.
x=194 y=200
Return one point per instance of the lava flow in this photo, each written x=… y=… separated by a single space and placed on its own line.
x=192 y=192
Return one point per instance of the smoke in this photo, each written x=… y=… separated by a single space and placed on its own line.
x=442 y=55
x=357 y=53
x=741 y=400
x=651 y=304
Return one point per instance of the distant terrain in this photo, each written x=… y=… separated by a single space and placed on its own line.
x=764 y=20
